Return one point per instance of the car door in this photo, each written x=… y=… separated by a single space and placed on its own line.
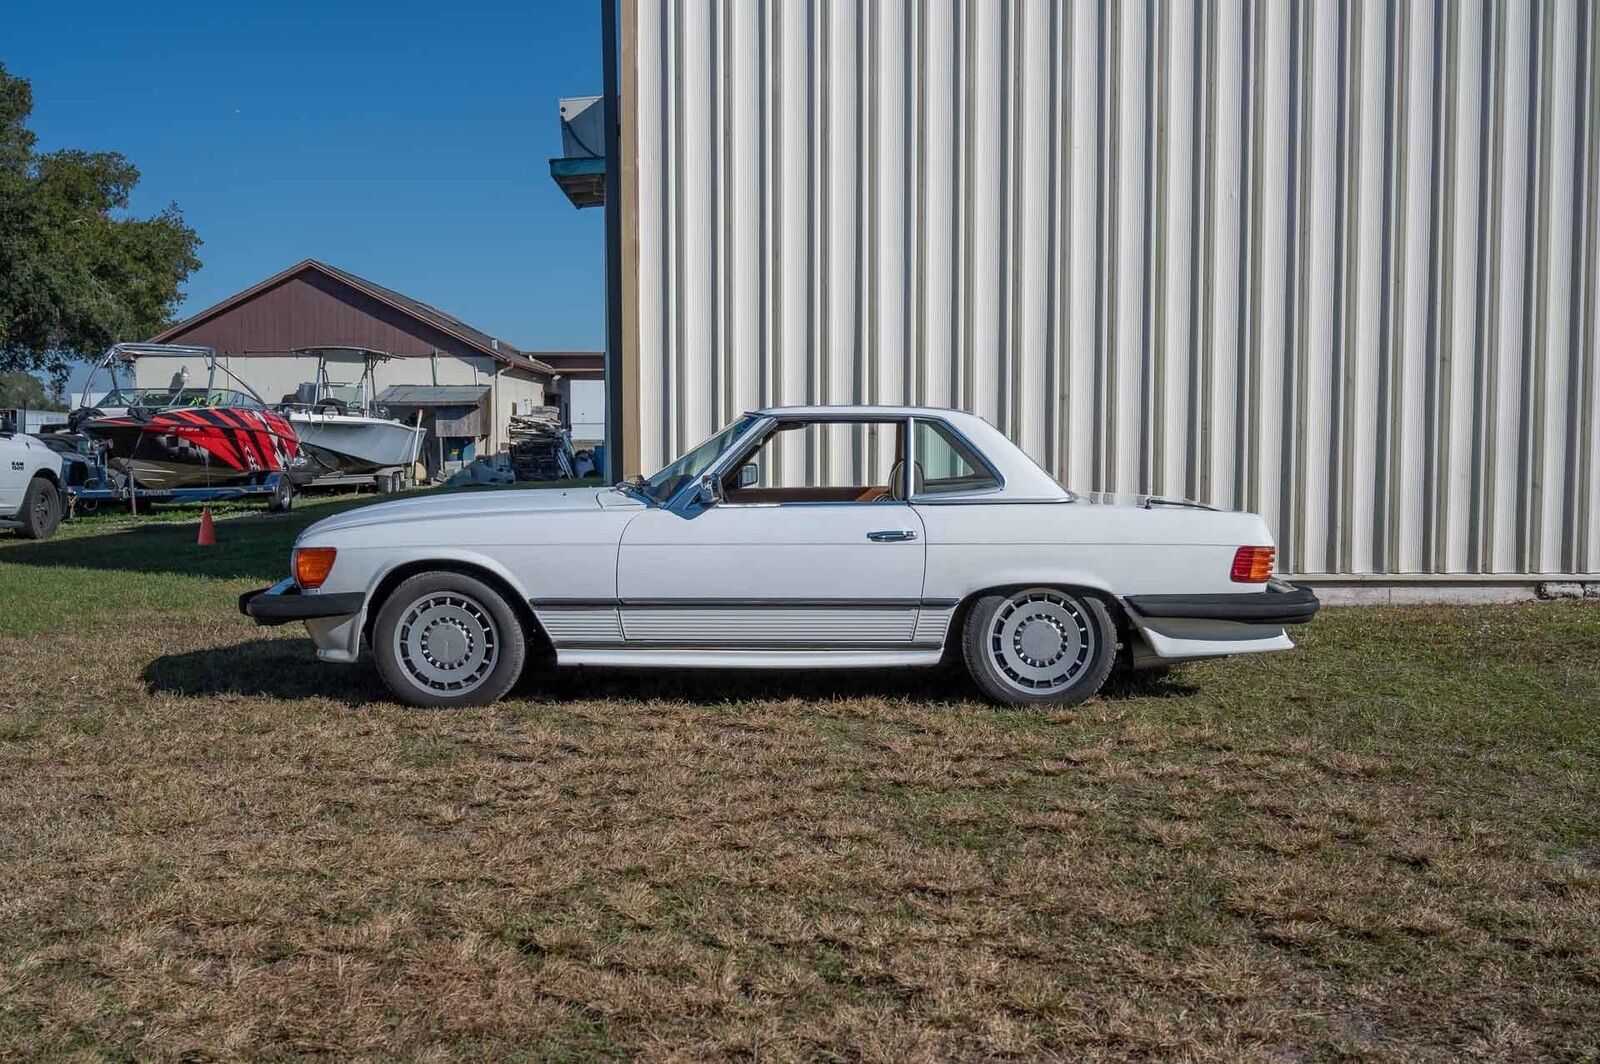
x=791 y=568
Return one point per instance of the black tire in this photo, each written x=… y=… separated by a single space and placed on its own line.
x=41 y=510
x=1039 y=646
x=485 y=626
x=282 y=500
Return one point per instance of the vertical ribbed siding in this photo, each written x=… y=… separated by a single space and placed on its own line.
x=1334 y=262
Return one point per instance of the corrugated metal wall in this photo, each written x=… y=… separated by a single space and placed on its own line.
x=1334 y=262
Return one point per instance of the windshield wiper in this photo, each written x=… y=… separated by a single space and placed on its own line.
x=636 y=485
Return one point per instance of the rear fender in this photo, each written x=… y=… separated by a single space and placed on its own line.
x=1033 y=576
x=1026 y=577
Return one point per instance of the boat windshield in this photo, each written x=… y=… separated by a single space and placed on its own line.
x=167 y=398
x=671 y=479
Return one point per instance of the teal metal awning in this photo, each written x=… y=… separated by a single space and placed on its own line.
x=433 y=394
x=582 y=178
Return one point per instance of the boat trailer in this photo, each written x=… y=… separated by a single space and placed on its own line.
x=103 y=486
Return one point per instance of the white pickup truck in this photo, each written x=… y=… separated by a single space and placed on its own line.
x=30 y=486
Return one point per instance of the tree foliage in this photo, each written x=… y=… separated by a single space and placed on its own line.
x=19 y=388
x=77 y=272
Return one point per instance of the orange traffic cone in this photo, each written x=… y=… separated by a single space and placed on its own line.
x=208 y=534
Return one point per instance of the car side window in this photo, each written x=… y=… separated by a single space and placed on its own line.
x=944 y=464
x=820 y=462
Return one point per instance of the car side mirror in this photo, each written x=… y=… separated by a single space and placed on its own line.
x=749 y=475
x=708 y=495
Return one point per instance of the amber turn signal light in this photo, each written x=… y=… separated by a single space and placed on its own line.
x=312 y=565
x=1251 y=565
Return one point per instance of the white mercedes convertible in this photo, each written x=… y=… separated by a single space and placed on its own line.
x=800 y=537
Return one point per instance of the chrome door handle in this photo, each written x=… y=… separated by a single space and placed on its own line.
x=894 y=535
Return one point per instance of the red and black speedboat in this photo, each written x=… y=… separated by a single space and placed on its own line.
x=182 y=436
x=195 y=446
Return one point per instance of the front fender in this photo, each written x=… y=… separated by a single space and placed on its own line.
x=338 y=639
x=445 y=558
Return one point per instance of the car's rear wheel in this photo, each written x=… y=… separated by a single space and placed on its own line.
x=447 y=639
x=1040 y=645
x=41 y=510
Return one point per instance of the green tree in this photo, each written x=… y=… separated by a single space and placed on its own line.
x=19 y=388
x=77 y=272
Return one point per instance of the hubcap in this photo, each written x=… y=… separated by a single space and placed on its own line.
x=1041 y=641
x=446 y=642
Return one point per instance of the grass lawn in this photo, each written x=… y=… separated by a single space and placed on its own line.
x=1385 y=845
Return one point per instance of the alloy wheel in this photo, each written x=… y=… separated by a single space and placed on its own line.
x=446 y=643
x=1041 y=641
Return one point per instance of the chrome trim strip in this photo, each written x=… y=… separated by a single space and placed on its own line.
x=741 y=604
x=722 y=645
x=971 y=500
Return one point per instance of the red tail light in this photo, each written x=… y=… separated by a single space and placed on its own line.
x=1253 y=565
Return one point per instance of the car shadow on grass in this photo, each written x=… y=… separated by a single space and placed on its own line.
x=271 y=668
x=288 y=669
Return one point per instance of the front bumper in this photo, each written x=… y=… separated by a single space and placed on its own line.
x=284 y=602
x=1281 y=604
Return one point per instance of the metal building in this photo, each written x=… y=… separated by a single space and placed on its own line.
x=1331 y=261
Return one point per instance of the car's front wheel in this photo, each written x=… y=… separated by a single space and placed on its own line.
x=447 y=639
x=41 y=510
x=1040 y=645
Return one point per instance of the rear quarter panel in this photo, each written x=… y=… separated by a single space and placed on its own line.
x=1121 y=550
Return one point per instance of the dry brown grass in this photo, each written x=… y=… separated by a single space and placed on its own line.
x=1376 y=848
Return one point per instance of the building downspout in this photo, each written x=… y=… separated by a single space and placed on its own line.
x=615 y=433
x=494 y=410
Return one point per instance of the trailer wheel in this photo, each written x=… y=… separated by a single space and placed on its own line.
x=282 y=500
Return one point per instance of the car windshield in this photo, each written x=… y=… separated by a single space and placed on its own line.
x=671 y=479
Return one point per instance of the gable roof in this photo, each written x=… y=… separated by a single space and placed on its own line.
x=477 y=339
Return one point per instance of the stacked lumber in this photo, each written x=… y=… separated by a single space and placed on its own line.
x=541 y=449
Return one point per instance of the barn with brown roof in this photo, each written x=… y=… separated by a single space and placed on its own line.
x=459 y=381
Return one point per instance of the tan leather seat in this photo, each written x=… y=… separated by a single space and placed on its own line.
x=897 y=482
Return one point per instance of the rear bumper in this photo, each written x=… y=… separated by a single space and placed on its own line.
x=283 y=602
x=1279 y=605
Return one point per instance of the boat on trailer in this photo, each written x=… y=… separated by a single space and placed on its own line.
x=183 y=436
x=341 y=429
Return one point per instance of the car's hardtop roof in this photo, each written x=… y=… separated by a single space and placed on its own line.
x=859 y=409
x=1021 y=475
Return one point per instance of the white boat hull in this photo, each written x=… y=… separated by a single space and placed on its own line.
x=350 y=444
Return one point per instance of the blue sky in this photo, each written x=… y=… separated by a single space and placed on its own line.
x=406 y=142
